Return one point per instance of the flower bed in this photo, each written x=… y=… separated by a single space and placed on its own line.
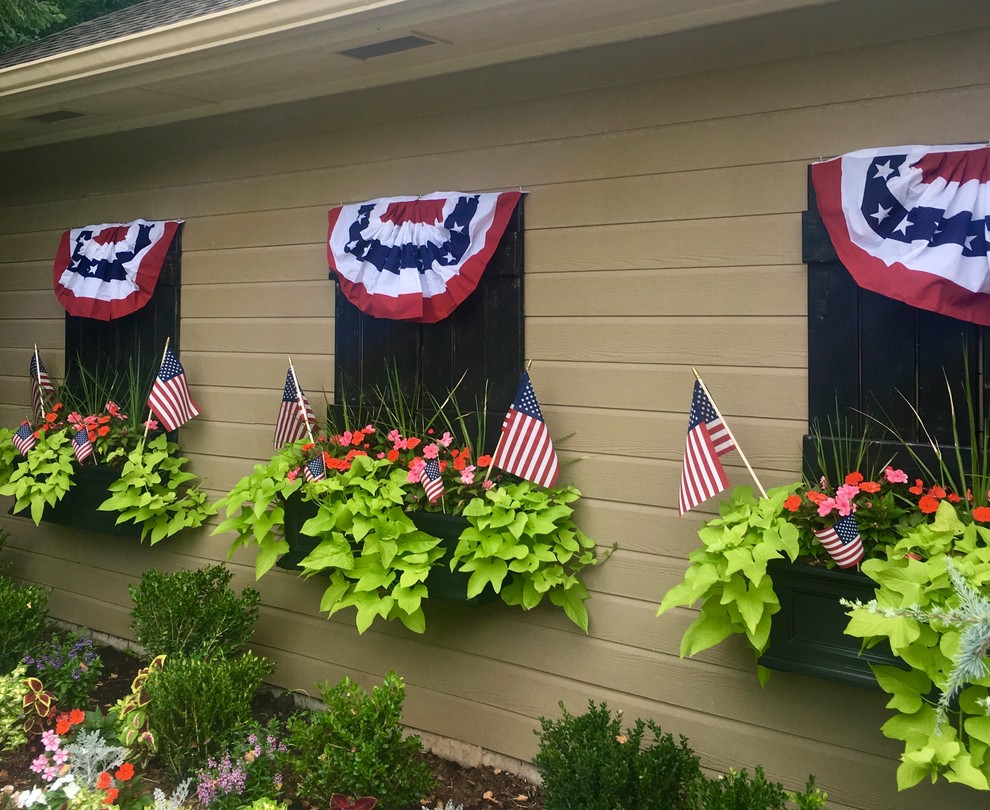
x=476 y=788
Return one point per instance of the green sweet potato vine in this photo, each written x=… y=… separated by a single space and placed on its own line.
x=154 y=492
x=527 y=534
x=43 y=478
x=729 y=573
x=959 y=749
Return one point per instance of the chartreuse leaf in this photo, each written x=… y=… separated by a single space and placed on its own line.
x=906 y=687
x=710 y=628
x=267 y=554
x=572 y=601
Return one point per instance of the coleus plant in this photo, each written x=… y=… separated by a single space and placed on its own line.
x=341 y=802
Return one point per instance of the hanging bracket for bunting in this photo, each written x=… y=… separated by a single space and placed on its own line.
x=415 y=258
x=108 y=271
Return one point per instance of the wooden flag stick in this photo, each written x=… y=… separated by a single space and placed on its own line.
x=728 y=430
x=501 y=436
x=41 y=390
x=151 y=413
x=299 y=400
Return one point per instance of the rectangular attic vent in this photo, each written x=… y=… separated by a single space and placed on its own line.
x=396 y=45
x=55 y=116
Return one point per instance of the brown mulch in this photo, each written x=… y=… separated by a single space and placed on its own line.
x=476 y=788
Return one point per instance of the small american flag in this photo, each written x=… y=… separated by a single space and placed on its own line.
x=23 y=438
x=169 y=397
x=315 y=470
x=843 y=542
x=431 y=480
x=702 y=475
x=525 y=448
x=290 y=425
x=81 y=445
x=41 y=385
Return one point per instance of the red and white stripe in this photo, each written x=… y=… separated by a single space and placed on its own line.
x=172 y=403
x=846 y=555
x=526 y=449
x=702 y=474
x=290 y=425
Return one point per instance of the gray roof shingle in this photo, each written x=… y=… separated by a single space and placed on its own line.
x=144 y=16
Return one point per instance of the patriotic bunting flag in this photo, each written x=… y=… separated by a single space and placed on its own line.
x=525 y=448
x=41 y=385
x=843 y=542
x=109 y=271
x=702 y=475
x=913 y=223
x=430 y=478
x=315 y=470
x=23 y=438
x=170 y=398
x=415 y=258
x=291 y=425
x=81 y=445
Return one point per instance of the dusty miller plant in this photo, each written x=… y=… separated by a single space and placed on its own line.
x=90 y=755
x=971 y=617
x=173 y=802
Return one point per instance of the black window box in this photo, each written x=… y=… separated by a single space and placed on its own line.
x=79 y=507
x=807 y=636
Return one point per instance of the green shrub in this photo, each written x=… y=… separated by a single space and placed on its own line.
x=192 y=613
x=12 y=692
x=23 y=613
x=195 y=702
x=588 y=763
x=355 y=746
x=736 y=791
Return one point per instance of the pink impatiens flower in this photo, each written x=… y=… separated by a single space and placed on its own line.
x=847 y=492
x=843 y=505
x=467 y=475
x=895 y=476
x=50 y=740
x=431 y=451
x=151 y=424
x=826 y=506
x=487 y=484
x=446 y=440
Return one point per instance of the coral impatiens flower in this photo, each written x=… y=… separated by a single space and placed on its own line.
x=854 y=478
x=938 y=492
x=928 y=504
x=793 y=503
x=870 y=486
x=112 y=795
x=124 y=772
x=62 y=726
x=103 y=781
x=484 y=461
x=76 y=716
x=816 y=497
x=918 y=487
x=982 y=514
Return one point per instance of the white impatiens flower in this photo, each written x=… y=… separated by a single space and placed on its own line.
x=29 y=798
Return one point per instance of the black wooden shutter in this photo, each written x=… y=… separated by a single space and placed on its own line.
x=482 y=339
x=109 y=348
x=869 y=354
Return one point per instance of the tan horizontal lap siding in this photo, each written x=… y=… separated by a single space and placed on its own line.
x=663 y=230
